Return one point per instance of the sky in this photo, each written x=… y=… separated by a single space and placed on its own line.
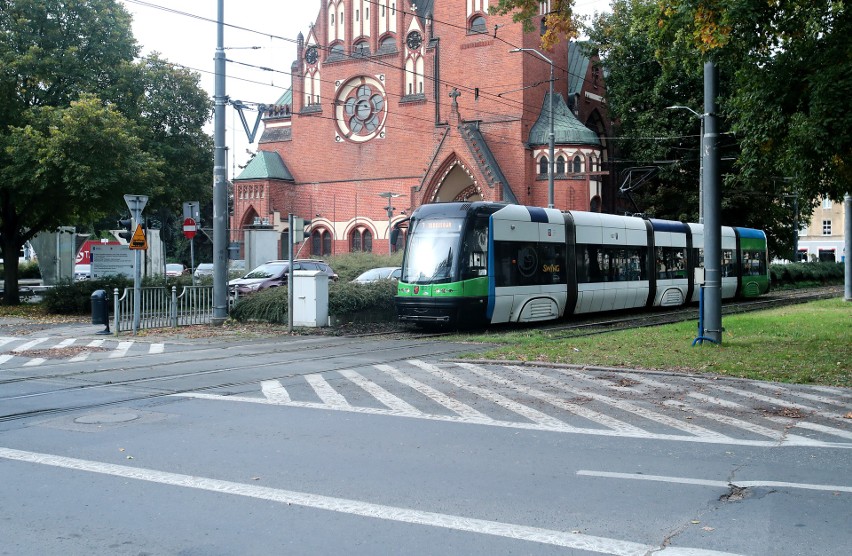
x=259 y=33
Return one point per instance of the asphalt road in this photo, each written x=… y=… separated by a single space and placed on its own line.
x=318 y=445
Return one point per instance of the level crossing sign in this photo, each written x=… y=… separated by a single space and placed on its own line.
x=189 y=228
x=138 y=240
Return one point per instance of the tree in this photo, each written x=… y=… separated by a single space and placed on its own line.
x=559 y=23
x=80 y=121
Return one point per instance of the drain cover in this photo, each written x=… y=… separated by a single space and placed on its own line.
x=107 y=418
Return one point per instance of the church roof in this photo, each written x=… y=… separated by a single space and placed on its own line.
x=423 y=9
x=265 y=166
x=486 y=160
x=567 y=129
x=285 y=99
x=578 y=64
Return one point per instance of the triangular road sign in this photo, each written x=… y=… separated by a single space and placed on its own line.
x=138 y=240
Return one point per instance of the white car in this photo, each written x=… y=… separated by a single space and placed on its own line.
x=174 y=269
x=202 y=270
x=82 y=272
x=381 y=273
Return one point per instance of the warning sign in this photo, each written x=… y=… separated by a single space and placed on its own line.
x=138 y=240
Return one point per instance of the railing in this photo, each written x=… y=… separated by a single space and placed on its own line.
x=160 y=308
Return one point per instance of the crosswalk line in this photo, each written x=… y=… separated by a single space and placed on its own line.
x=326 y=393
x=457 y=407
x=29 y=345
x=122 y=349
x=274 y=391
x=7 y=340
x=638 y=410
x=35 y=362
x=533 y=415
x=776 y=401
x=385 y=397
x=156 y=348
x=6 y=357
x=64 y=343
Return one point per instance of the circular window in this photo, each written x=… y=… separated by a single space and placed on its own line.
x=361 y=109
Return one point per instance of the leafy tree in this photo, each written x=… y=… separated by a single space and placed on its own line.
x=81 y=123
x=560 y=23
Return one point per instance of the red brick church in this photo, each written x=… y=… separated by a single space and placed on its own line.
x=422 y=101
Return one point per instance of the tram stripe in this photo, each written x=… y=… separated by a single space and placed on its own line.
x=527 y=412
x=369 y=510
x=326 y=393
x=28 y=345
x=437 y=396
x=637 y=410
x=385 y=397
x=122 y=349
x=275 y=392
x=555 y=401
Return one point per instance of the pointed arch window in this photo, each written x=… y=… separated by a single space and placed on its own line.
x=578 y=165
x=320 y=242
x=542 y=166
x=361 y=241
x=477 y=24
x=560 y=165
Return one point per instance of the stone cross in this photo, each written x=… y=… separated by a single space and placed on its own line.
x=455 y=94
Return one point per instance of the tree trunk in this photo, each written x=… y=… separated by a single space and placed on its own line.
x=10 y=272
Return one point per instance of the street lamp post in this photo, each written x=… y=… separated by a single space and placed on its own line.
x=550 y=139
x=390 y=196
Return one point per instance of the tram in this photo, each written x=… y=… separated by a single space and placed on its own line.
x=487 y=263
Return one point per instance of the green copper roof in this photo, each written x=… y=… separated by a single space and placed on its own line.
x=567 y=129
x=578 y=64
x=286 y=99
x=265 y=166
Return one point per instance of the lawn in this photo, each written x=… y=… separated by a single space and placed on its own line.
x=809 y=344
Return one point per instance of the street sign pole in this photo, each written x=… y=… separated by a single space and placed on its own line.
x=189 y=229
x=136 y=204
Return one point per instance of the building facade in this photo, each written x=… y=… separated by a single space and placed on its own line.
x=397 y=103
x=823 y=239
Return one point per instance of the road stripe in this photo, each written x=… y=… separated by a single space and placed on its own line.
x=156 y=348
x=777 y=401
x=5 y=357
x=527 y=412
x=6 y=339
x=82 y=356
x=122 y=349
x=790 y=422
x=274 y=391
x=36 y=361
x=602 y=545
x=590 y=414
x=64 y=343
x=385 y=397
x=95 y=343
x=706 y=482
x=326 y=393
x=30 y=344
x=803 y=395
x=640 y=411
x=437 y=396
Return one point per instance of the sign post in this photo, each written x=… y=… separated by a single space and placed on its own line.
x=189 y=229
x=136 y=204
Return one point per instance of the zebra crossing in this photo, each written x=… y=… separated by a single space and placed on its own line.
x=565 y=400
x=24 y=351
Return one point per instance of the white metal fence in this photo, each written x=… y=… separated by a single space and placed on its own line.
x=162 y=307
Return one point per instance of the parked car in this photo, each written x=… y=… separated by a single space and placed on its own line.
x=203 y=270
x=174 y=269
x=272 y=274
x=381 y=273
x=82 y=272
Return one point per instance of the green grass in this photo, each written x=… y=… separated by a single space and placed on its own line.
x=807 y=344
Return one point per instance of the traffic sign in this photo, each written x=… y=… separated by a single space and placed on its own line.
x=189 y=228
x=138 y=240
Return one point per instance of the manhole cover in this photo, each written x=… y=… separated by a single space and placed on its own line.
x=107 y=418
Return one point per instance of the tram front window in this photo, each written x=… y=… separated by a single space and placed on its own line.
x=431 y=253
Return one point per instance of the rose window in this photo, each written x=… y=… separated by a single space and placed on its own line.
x=361 y=109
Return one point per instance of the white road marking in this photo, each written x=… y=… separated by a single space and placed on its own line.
x=385 y=397
x=95 y=343
x=275 y=392
x=156 y=348
x=640 y=411
x=6 y=357
x=29 y=345
x=812 y=426
x=776 y=401
x=326 y=393
x=82 y=356
x=803 y=395
x=533 y=415
x=122 y=349
x=577 y=409
x=453 y=405
x=64 y=343
x=711 y=483
x=602 y=545
x=6 y=339
x=36 y=361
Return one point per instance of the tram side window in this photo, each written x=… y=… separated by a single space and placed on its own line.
x=729 y=268
x=754 y=263
x=475 y=250
x=671 y=262
x=529 y=264
x=598 y=263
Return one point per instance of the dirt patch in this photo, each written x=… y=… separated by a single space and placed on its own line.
x=61 y=353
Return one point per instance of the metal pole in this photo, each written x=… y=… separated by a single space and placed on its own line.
x=847 y=252
x=795 y=258
x=550 y=140
x=390 y=217
x=220 y=184
x=701 y=174
x=137 y=278
x=712 y=209
x=291 y=221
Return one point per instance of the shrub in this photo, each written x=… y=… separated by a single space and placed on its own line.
x=806 y=274
x=75 y=298
x=29 y=270
x=349 y=265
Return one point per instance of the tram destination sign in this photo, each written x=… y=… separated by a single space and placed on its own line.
x=111 y=260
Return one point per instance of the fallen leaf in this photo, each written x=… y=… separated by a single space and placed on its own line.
x=709 y=528
x=848 y=415
x=695 y=522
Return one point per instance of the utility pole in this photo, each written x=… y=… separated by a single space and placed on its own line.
x=712 y=210
x=220 y=183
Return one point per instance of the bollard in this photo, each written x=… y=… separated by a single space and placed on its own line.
x=100 y=310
